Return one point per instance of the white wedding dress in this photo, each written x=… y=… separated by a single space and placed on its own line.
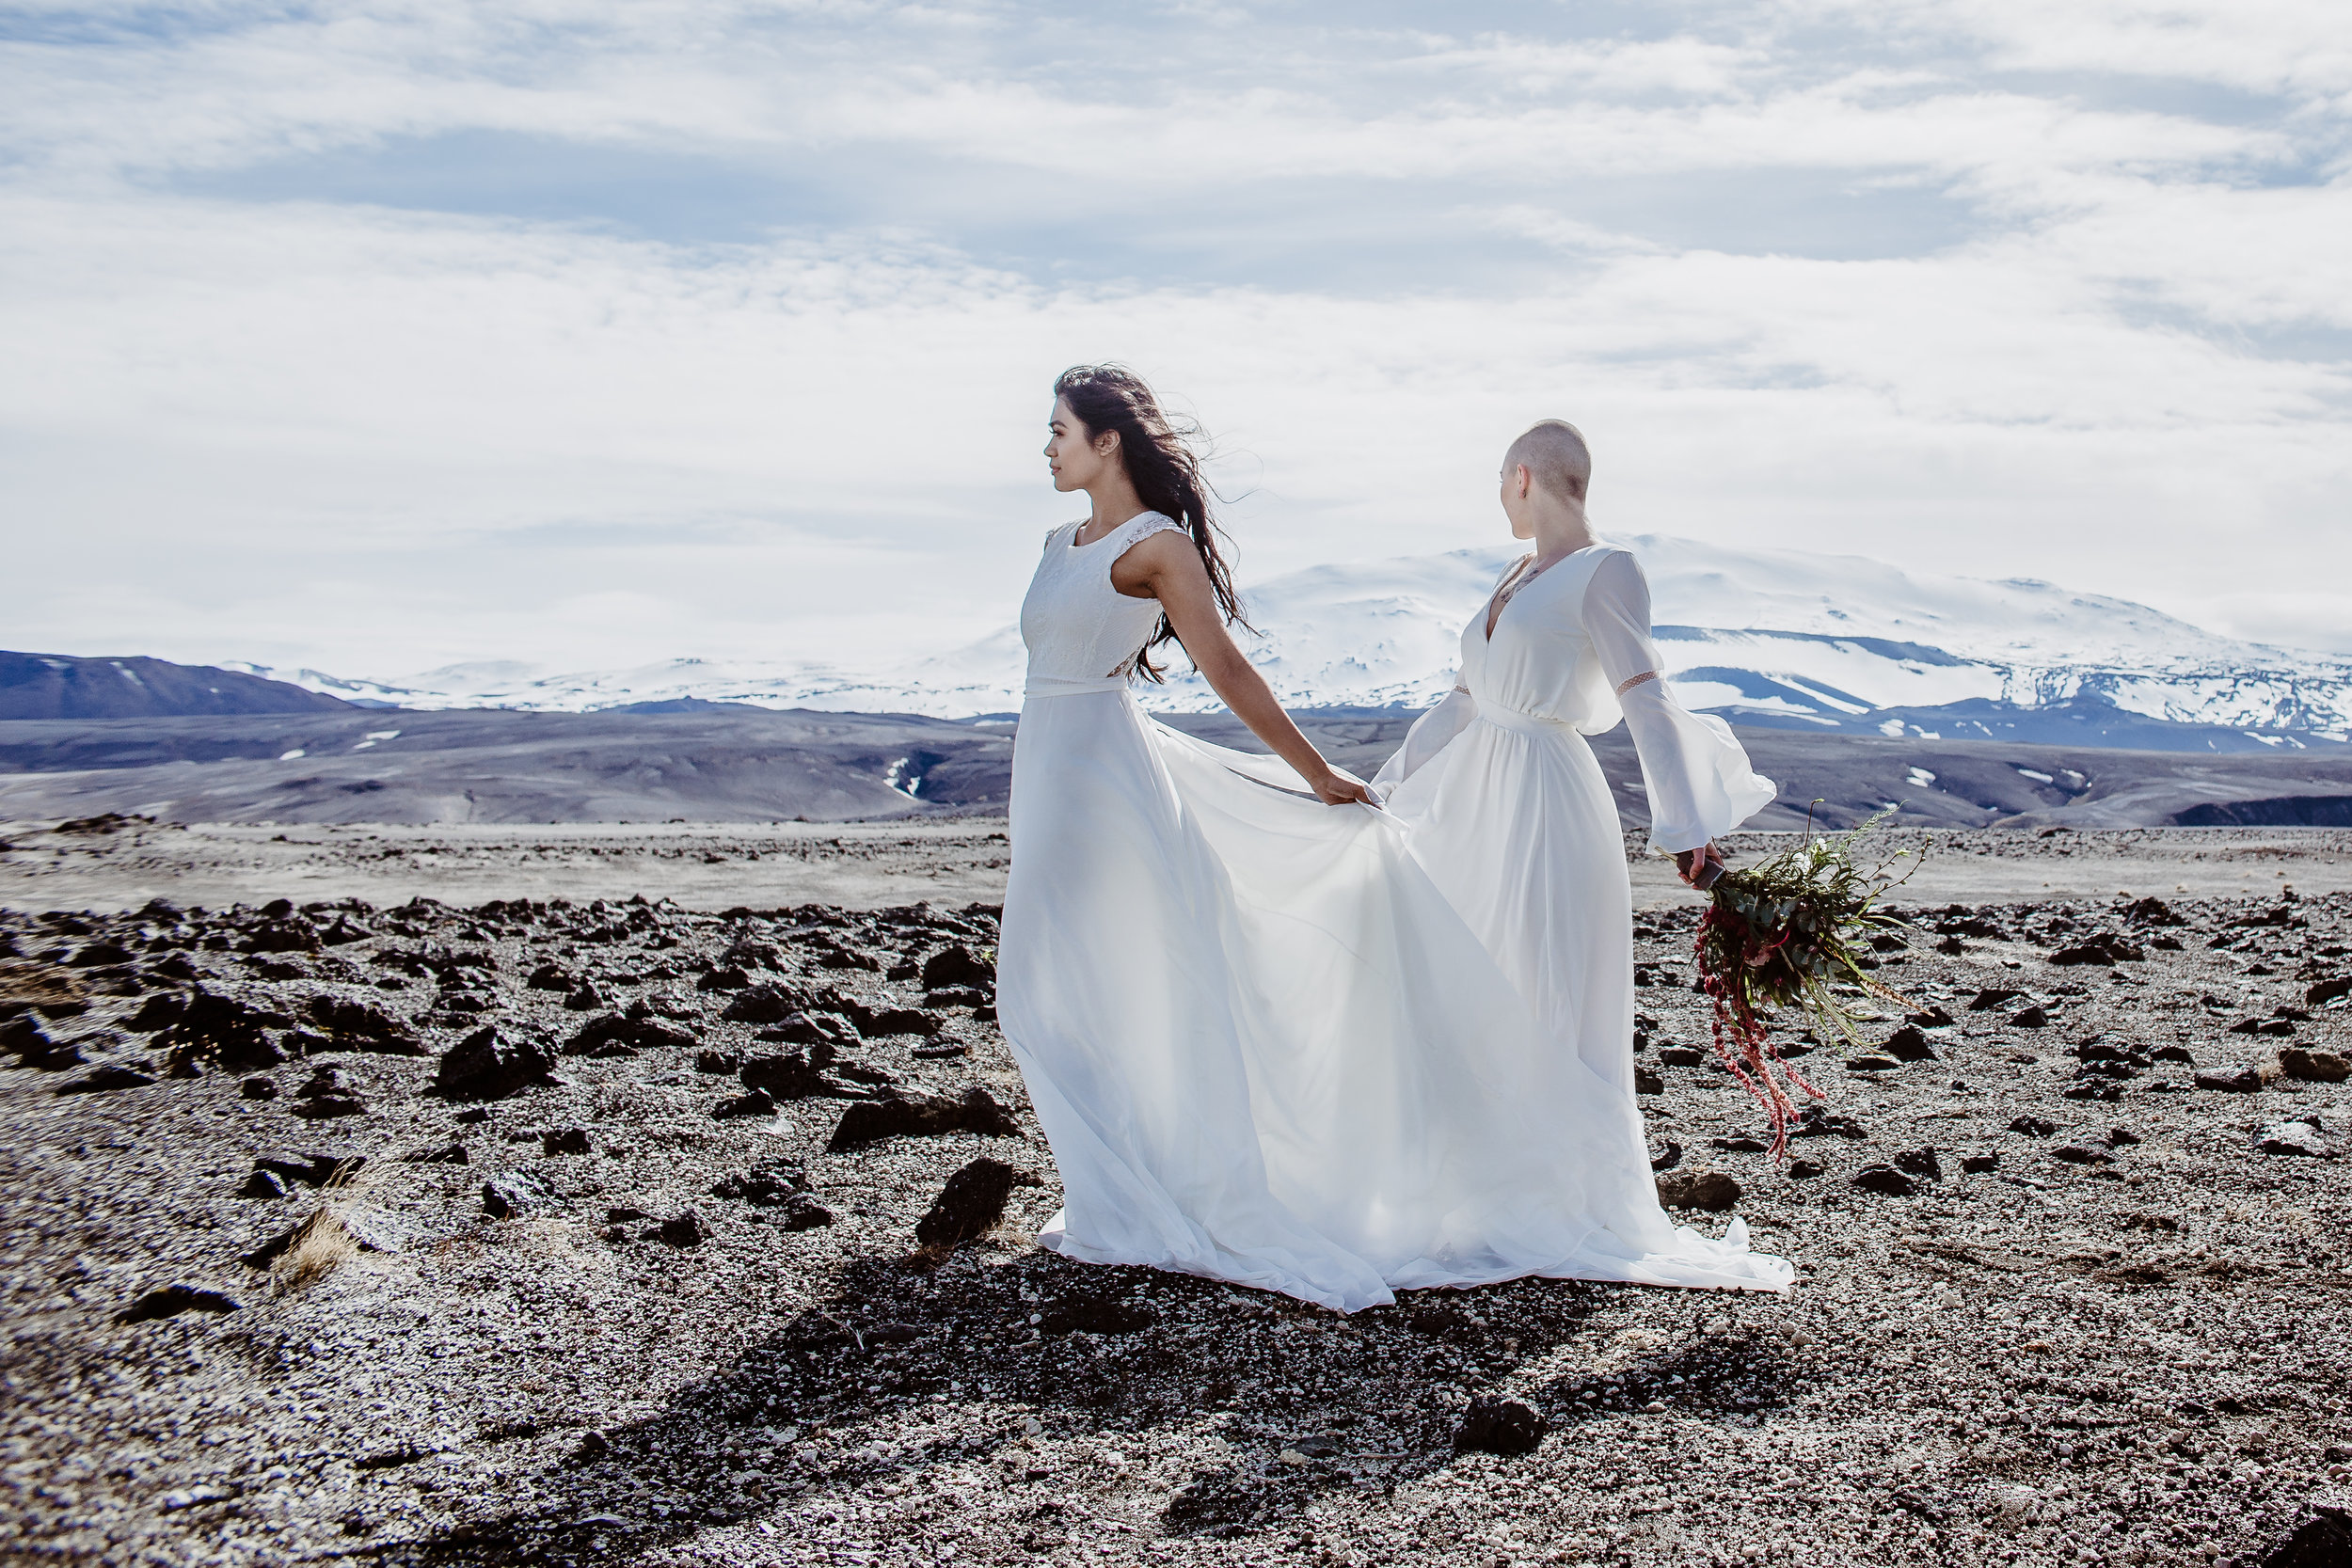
x=1510 y=814
x=1263 y=1045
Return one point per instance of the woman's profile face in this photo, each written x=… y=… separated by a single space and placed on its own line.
x=1074 y=452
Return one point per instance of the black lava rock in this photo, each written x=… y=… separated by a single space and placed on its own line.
x=105 y=1078
x=2323 y=1540
x=758 y=1102
x=813 y=1029
x=220 y=1027
x=1919 y=1162
x=770 y=1183
x=1884 y=1180
x=957 y=966
x=687 y=1229
x=513 y=1193
x=2305 y=1139
x=1804 y=1170
x=897 y=1113
x=2033 y=1127
x=311 y=1169
x=1978 y=1164
x=159 y=1011
x=364 y=1026
x=1819 y=1121
x=2030 y=1018
x=797 y=1075
x=172 y=1300
x=293 y=934
x=766 y=1004
x=264 y=1184
x=493 y=1062
x=970 y=1205
x=2076 y=1154
x=804 y=1213
x=899 y=1021
x=2315 y=1067
x=569 y=1140
x=1493 y=1425
x=1711 y=1190
x=1907 y=1044
x=258 y=1089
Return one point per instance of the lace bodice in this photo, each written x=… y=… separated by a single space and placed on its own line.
x=1075 y=624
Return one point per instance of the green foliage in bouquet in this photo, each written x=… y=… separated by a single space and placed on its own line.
x=1787 y=932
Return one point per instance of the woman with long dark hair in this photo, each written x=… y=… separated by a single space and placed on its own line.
x=1264 y=1047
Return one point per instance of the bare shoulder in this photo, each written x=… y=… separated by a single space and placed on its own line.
x=1157 y=562
x=1170 y=546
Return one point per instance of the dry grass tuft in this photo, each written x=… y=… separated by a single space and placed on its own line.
x=323 y=1245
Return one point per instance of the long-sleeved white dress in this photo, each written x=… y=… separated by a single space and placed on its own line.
x=1261 y=1043
x=1511 y=816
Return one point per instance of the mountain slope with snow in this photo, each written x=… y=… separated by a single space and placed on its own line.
x=1775 y=637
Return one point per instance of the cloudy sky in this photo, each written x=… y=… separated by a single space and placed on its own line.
x=376 y=336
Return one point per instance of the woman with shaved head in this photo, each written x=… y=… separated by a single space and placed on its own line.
x=1510 y=813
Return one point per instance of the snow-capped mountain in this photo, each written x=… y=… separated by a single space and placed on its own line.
x=1764 y=636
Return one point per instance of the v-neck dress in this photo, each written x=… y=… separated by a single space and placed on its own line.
x=1511 y=816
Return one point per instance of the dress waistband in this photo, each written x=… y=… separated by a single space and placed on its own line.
x=1071 y=686
x=1522 y=724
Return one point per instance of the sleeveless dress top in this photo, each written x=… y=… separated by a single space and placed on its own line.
x=1082 y=634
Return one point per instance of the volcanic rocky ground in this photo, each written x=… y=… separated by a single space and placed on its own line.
x=573 y=1231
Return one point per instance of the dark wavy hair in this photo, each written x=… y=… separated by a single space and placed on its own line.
x=1165 y=471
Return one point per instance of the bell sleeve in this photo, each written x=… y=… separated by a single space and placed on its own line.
x=1694 y=771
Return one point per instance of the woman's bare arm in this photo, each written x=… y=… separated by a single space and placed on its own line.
x=1166 y=567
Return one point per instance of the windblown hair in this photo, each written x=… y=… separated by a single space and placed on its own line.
x=1165 y=471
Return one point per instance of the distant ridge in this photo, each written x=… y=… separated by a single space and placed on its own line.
x=57 y=686
x=1766 y=638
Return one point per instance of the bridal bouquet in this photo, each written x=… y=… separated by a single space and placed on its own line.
x=1787 y=932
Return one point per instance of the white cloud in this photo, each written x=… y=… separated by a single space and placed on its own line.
x=286 y=383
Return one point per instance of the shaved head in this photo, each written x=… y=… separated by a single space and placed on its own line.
x=1556 y=457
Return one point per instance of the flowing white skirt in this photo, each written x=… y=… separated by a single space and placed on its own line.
x=1266 y=1049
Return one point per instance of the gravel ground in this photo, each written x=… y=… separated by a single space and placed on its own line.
x=722 y=865
x=2105 y=1324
